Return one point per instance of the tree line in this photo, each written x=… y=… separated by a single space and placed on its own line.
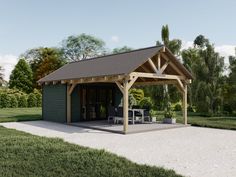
x=212 y=92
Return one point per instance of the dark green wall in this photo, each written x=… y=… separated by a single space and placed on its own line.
x=54 y=103
x=75 y=104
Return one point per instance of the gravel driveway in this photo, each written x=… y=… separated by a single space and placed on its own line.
x=190 y=151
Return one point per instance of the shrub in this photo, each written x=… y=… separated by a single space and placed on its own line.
x=22 y=102
x=132 y=100
x=137 y=93
x=13 y=101
x=38 y=98
x=32 y=100
x=178 y=107
x=5 y=100
x=146 y=102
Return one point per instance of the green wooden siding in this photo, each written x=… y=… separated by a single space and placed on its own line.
x=75 y=104
x=54 y=103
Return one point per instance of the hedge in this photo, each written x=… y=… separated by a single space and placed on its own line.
x=13 y=98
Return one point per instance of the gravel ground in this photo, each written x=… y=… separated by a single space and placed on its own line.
x=190 y=151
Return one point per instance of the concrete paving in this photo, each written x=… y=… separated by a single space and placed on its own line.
x=190 y=151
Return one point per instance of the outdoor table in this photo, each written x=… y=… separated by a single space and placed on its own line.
x=138 y=110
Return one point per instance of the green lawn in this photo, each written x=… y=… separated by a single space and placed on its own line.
x=212 y=122
x=22 y=154
x=20 y=114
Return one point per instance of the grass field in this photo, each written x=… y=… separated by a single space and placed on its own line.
x=20 y=114
x=22 y=154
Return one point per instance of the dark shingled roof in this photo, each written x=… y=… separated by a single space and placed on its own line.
x=115 y=64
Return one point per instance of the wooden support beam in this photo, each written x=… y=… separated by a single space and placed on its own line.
x=180 y=85
x=185 y=105
x=158 y=82
x=120 y=86
x=156 y=76
x=153 y=65
x=125 y=106
x=164 y=66
x=72 y=88
x=173 y=65
x=131 y=82
x=159 y=61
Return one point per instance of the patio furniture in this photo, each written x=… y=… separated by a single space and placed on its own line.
x=119 y=116
x=111 y=113
x=147 y=113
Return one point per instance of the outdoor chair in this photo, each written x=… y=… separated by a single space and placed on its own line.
x=111 y=113
x=119 y=115
x=147 y=113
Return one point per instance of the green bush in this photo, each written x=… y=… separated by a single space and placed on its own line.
x=146 y=102
x=22 y=102
x=137 y=93
x=5 y=100
x=38 y=98
x=178 y=107
x=32 y=100
x=13 y=101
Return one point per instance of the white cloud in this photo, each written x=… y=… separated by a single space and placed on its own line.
x=187 y=44
x=8 y=62
x=115 y=39
x=226 y=51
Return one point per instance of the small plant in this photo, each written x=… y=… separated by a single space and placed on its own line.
x=168 y=111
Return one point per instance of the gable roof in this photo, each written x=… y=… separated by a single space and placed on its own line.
x=115 y=64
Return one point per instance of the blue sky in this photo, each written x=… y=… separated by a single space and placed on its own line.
x=29 y=23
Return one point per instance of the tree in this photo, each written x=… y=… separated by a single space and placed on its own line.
x=21 y=77
x=43 y=61
x=231 y=84
x=51 y=61
x=81 y=47
x=174 y=45
x=121 y=49
x=2 y=81
x=207 y=66
x=200 y=41
x=165 y=34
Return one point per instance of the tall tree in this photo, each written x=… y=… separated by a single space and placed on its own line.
x=43 y=61
x=174 y=45
x=2 y=81
x=121 y=49
x=207 y=67
x=231 y=96
x=21 y=77
x=82 y=46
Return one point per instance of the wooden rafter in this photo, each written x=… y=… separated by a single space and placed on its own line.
x=164 y=66
x=120 y=86
x=172 y=65
x=153 y=65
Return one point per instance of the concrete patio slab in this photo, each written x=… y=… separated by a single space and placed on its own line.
x=132 y=128
x=191 y=151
